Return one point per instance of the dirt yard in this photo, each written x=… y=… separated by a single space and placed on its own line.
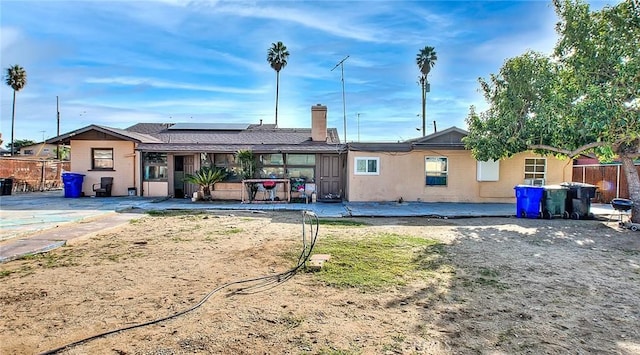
x=507 y=286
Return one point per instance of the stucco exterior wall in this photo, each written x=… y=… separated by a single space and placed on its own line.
x=155 y=188
x=125 y=165
x=402 y=175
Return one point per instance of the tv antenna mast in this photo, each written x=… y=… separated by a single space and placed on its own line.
x=344 y=105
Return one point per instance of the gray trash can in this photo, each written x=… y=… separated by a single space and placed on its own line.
x=578 y=202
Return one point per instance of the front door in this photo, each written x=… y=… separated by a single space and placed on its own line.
x=189 y=169
x=178 y=176
x=330 y=179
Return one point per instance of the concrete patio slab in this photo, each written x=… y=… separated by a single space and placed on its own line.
x=41 y=221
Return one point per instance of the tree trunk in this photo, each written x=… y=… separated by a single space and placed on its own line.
x=206 y=192
x=13 y=121
x=633 y=183
x=277 y=92
x=424 y=105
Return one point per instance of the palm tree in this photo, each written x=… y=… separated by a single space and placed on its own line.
x=206 y=178
x=425 y=59
x=277 y=58
x=247 y=162
x=16 y=77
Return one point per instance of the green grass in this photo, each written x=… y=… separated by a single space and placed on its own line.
x=487 y=278
x=231 y=231
x=377 y=261
x=170 y=213
x=341 y=222
x=5 y=273
x=51 y=260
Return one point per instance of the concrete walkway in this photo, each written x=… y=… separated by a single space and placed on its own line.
x=41 y=221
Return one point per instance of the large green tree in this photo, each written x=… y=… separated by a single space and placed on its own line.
x=277 y=56
x=582 y=99
x=16 y=77
x=425 y=60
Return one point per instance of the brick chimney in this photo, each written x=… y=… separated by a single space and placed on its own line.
x=319 y=123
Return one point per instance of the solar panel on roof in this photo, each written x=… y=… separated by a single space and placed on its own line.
x=209 y=126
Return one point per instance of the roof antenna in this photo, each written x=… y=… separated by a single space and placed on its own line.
x=344 y=106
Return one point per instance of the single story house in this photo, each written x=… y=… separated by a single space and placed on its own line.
x=438 y=168
x=152 y=159
x=40 y=150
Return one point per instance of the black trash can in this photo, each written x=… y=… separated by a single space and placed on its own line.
x=578 y=202
x=6 y=186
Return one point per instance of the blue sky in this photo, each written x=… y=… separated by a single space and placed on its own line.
x=117 y=63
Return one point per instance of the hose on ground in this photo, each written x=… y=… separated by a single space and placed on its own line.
x=308 y=218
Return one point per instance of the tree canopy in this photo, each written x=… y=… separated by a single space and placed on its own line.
x=584 y=98
x=19 y=143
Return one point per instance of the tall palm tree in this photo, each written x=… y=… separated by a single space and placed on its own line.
x=277 y=58
x=425 y=60
x=16 y=77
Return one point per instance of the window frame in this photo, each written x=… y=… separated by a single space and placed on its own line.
x=308 y=166
x=146 y=163
x=227 y=161
x=271 y=165
x=366 y=160
x=436 y=173
x=535 y=174
x=94 y=159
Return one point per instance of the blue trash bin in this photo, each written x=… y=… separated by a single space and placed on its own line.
x=528 y=201
x=72 y=184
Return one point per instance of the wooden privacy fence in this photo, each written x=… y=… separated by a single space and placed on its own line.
x=609 y=178
x=33 y=174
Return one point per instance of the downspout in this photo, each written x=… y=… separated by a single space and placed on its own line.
x=134 y=165
x=141 y=173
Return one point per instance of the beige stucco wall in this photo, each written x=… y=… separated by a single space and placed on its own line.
x=38 y=151
x=155 y=188
x=402 y=176
x=125 y=171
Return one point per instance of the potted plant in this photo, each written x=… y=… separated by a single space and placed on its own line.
x=206 y=179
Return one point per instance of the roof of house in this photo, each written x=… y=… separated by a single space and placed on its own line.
x=450 y=138
x=198 y=137
x=116 y=132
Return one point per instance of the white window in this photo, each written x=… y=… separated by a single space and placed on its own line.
x=367 y=166
x=535 y=168
x=437 y=171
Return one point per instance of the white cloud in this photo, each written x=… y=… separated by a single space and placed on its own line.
x=138 y=81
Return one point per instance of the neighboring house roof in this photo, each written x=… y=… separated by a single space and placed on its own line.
x=116 y=132
x=450 y=138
